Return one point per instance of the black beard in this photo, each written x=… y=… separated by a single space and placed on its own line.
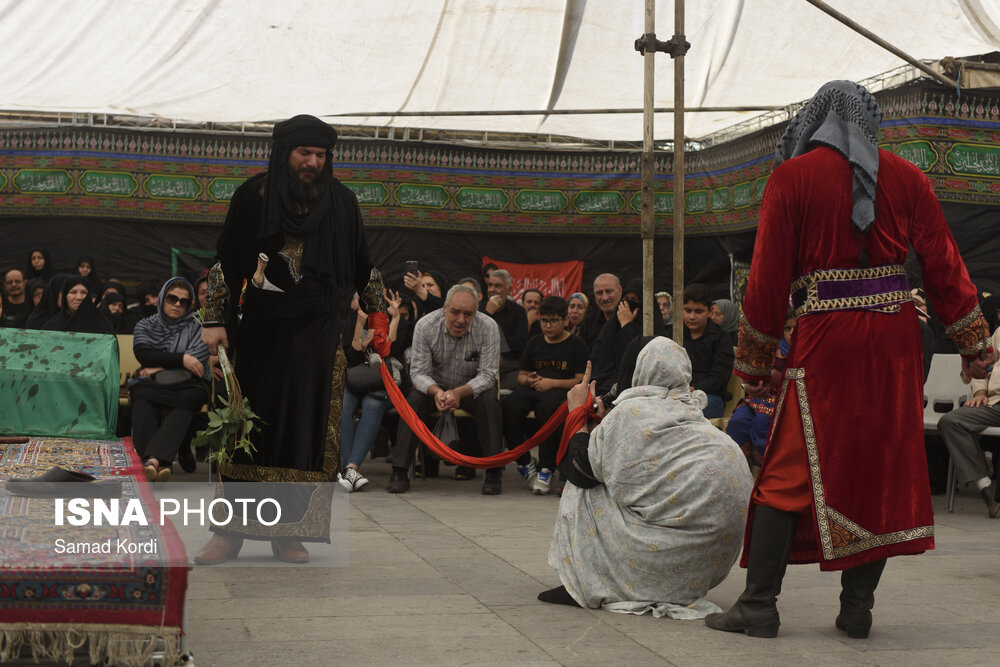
x=306 y=194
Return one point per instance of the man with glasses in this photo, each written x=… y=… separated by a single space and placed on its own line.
x=454 y=362
x=13 y=297
x=512 y=320
x=551 y=364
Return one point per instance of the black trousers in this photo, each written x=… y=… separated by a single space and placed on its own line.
x=516 y=408
x=488 y=416
x=160 y=438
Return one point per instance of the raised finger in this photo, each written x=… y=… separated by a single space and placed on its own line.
x=586 y=374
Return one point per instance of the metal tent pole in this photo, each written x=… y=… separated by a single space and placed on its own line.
x=648 y=226
x=680 y=46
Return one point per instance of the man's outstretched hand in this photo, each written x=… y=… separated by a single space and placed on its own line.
x=212 y=337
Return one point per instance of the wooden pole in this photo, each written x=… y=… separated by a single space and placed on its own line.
x=678 y=289
x=648 y=167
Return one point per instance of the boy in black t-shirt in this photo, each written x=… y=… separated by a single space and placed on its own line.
x=550 y=364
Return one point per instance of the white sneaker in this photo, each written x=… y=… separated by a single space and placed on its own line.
x=344 y=483
x=360 y=480
x=541 y=485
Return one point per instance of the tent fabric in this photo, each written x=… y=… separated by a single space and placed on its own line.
x=233 y=61
x=58 y=384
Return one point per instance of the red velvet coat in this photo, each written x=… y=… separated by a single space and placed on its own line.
x=846 y=446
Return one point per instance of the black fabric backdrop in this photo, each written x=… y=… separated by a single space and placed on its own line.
x=135 y=251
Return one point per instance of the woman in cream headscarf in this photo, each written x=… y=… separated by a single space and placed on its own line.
x=655 y=512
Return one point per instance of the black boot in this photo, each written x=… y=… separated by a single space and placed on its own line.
x=857 y=597
x=756 y=612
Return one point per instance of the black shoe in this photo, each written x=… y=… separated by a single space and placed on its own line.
x=756 y=612
x=558 y=595
x=186 y=459
x=430 y=468
x=989 y=496
x=492 y=483
x=857 y=597
x=463 y=473
x=398 y=481
x=58 y=482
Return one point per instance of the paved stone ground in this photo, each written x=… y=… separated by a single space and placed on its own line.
x=445 y=575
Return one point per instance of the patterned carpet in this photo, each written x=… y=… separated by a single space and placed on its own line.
x=118 y=605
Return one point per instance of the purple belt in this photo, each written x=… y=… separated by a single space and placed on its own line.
x=880 y=288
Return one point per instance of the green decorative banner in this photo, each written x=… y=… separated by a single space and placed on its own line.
x=421 y=196
x=599 y=202
x=222 y=189
x=3 y=181
x=541 y=201
x=920 y=153
x=663 y=202
x=173 y=187
x=114 y=183
x=758 y=189
x=481 y=199
x=49 y=181
x=720 y=199
x=742 y=195
x=369 y=193
x=973 y=160
x=696 y=201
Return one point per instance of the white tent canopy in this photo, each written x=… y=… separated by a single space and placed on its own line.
x=258 y=60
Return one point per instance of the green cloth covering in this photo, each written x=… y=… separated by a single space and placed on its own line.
x=58 y=384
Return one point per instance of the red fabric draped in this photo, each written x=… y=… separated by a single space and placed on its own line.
x=378 y=324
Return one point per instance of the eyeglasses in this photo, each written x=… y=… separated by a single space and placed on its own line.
x=173 y=299
x=550 y=321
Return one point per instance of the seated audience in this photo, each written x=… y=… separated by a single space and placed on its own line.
x=665 y=303
x=625 y=326
x=112 y=307
x=34 y=291
x=39 y=264
x=86 y=267
x=530 y=300
x=959 y=428
x=201 y=291
x=364 y=389
x=175 y=376
x=453 y=364
x=726 y=314
x=654 y=511
x=50 y=303
x=512 y=321
x=15 y=300
x=551 y=363
x=428 y=287
x=751 y=419
x=78 y=312
x=607 y=295
x=145 y=305
x=710 y=349
x=578 y=305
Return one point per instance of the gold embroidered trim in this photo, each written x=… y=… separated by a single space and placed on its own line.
x=754 y=350
x=971 y=333
x=884 y=302
x=292 y=252
x=839 y=536
x=218 y=294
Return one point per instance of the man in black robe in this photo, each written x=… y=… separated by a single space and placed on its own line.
x=288 y=360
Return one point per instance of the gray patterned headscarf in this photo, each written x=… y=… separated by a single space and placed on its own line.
x=845 y=117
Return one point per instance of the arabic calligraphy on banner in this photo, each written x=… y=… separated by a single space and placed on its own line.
x=541 y=201
x=51 y=181
x=422 y=196
x=599 y=202
x=172 y=187
x=974 y=160
x=114 y=183
x=481 y=199
x=371 y=193
x=222 y=189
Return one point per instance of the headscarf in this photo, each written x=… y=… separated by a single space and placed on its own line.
x=158 y=334
x=93 y=280
x=844 y=116
x=322 y=253
x=21 y=321
x=117 y=286
x=197 y=285
x=582 y=297
x=47 y=270
x=86 y=319
x=730 y=315
x=118 y=320
x=141 y=292
x=49 y=305
x=663 y=370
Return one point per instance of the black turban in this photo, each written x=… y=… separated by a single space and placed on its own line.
x=304 y=130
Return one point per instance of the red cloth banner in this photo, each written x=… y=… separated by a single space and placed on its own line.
x=552 y=279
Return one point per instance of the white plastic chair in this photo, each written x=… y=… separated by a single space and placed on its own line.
x=943 y=392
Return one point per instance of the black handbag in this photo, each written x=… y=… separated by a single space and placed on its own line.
x=362 y=379
x=172 y=376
